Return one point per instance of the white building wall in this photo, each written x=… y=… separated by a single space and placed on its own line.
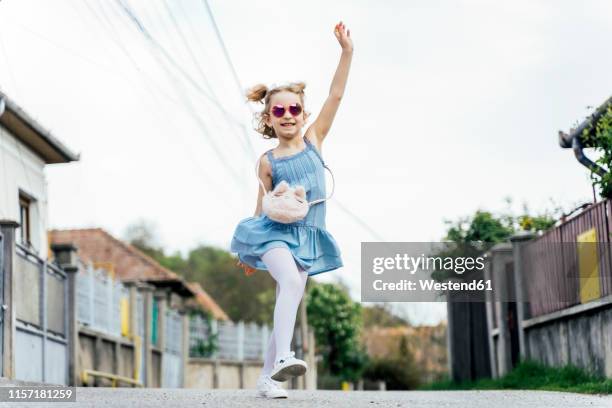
x=21 y=169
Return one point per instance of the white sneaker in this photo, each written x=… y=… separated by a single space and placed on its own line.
x=268 y=388
x=287 y=367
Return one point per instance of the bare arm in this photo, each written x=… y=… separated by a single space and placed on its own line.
x=323 y=123
x=265 y=174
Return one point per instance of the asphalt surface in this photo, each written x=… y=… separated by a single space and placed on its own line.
x=155 y=397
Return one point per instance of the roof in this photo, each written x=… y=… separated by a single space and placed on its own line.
x=131 y=264
x=203 y=299
x=32 y=134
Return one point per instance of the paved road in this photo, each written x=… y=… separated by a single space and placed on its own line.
x=186 y=398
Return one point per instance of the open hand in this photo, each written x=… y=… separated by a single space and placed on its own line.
x=343 y=36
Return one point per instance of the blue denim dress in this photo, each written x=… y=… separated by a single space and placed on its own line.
x=313 y=248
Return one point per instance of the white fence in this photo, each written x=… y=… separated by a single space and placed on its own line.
x=172 y=375
x=99 y=299
x=236 y=341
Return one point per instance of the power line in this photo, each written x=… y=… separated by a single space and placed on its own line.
x=223 y=47
x=358 y=220
x=177 y=28
x=195 y=61
x=114 y=36
x=142 y=29
x=227 y=57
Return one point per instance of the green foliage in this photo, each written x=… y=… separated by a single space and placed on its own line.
x=243 y=298
x=471 y=236
x=399 y=372
x=530 y=375
x=204 y=347
x=336 y=320
x=482 y=226
x=599 y=136
x=248 y=298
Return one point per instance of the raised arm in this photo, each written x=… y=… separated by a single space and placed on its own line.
x=323 y=122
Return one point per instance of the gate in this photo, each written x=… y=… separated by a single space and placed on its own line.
x=41 y=306
x=2 y=306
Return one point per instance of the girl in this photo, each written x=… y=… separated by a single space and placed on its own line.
x=291 y=252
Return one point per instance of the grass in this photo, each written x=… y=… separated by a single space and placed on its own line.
x=530 y=375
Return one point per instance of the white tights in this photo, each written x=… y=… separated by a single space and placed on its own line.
x=290 y=283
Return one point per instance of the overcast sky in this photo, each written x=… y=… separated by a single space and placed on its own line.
x=450 y=107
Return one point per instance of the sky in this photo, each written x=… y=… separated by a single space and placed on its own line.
x=450 y=107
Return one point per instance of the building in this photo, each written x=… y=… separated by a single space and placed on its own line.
x=135 y=314
x=33 y=328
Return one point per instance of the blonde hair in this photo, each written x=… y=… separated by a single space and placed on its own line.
x=262 y=94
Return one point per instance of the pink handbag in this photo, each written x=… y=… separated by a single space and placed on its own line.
x=287 y=204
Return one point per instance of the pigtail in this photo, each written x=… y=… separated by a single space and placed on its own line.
x=298 y=87
x=257 y=93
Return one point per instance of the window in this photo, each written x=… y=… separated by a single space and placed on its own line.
x=24 y=220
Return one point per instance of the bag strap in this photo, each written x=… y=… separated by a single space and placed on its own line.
x=320 y=200
x=257 y=175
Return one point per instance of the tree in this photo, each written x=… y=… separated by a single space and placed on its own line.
x=473 y=235
x=381 y=315
x=336 y=320
x=143 y=234
x=250 y=299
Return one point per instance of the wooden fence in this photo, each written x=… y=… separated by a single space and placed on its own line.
x=554 y=276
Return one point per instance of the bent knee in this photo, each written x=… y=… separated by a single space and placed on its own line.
x=293 y=283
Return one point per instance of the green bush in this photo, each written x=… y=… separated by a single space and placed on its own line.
x=398 y=372
x=600 y=136
x=336 y=320
x=530 y=375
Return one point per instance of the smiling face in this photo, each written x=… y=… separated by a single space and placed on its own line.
x=287 y=126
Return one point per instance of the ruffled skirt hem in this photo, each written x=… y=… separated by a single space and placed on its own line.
x=313 y=248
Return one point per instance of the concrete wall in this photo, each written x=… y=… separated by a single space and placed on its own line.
x=23 y=170
x=208 y=374
x=581 y=336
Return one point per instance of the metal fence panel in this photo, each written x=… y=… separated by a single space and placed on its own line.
x=228 y=340
x=252 y=342
x=40 y=297
x=235 y=341
x=99 y=299
x=1 y=299
x=100 y=303
x=55 y=304
x=27 y=287
x=83 y=295
x=28 y=356
x=173 y=339
x=56 y=355
x=173 y=332
x=119 y=292
x=140 y=327
x=172 y=375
